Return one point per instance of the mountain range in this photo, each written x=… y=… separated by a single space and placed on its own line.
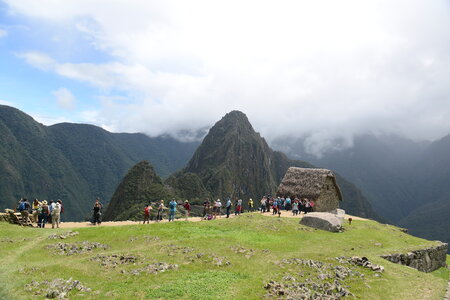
x=78 y=162
x=75 y=162
x=403 y=180
x=232 y=161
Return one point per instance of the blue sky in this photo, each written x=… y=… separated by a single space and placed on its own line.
x=320 y=70
x=33 y=90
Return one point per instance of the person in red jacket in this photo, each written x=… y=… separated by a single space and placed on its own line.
x=187 y=208
x=147 y=210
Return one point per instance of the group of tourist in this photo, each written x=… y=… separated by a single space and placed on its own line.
x=213 y=209
x=281 y=203
x=162 y=208
x=40 y=212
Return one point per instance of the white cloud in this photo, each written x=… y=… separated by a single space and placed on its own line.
x=48 y=120
x=64 y=98
x=322 y=69
x=37 y=60
x=3 y=33
x=3 y=102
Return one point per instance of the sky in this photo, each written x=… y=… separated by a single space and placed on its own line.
x=320 y=70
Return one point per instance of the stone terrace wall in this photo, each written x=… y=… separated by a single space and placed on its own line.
x=425 y=260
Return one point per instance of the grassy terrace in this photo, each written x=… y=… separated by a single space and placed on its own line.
x=264 y=240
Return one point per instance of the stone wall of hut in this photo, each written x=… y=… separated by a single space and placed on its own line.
x=329 y=197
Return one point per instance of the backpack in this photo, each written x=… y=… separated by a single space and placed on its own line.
x=22 y=206
x=172 y=205
x=56 y=209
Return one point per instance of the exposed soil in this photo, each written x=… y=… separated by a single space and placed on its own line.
x=284 y=214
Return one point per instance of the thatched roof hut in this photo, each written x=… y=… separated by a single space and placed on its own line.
x=315 y=184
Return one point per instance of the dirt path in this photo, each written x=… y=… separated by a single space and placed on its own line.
x=284 y=214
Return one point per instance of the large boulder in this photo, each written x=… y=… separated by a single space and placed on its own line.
x=323 y=220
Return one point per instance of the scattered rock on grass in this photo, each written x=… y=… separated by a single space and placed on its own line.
x=220 y=261
x=57 y=288
x=241 y=250
x=147 y=238
x=306 y=290
x=311 y=279
x=152 y=269
x=361 y=261
x=63 y=236
x=76 y=248
x=173 y=249
x=6 y=240
x=209 y=258
x=112 y=261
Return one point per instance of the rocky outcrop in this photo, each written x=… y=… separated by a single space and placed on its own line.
x=58 y=288
x=323 y=221
x=424 y=260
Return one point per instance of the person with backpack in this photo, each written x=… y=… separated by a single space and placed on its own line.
x=161 y=208
x=56 y=215
x=206 y=206
x=50 y=208
x=97 y=212
x=288 y=203
x=43 y=213
x=147 y=211
x=217 y=207
x=187 y=208
x=263 y=204
x=275 y=207
x=24 y=209
x=228 y=207
x=172 y=209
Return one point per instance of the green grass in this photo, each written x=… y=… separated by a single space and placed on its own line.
x=271 y=239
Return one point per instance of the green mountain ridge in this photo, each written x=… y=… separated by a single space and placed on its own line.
x=74 y=162
x=140 y=186
x=235 y=161
x=79 y=162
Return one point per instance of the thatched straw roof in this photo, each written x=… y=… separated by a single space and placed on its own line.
x=305 y=183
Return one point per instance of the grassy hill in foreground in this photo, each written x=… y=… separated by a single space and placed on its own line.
x=253 y=245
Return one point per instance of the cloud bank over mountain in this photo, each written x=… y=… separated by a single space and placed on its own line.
x=322 y=69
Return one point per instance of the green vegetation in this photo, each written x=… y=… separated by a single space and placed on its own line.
x=141 y=186
x=193 y=246
x=75 y=162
